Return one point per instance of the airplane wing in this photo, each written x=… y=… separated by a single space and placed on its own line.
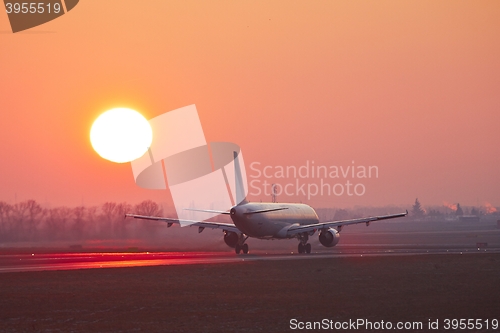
x=208 y=211
x=200 y=224
x=333 y=224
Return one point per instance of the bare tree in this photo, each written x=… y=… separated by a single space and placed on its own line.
x=120 y=223
x=56 y=222
x=21 y=220
x=78 y=226
x=5 y=212
x=91 y=221
x=19 y=217
x=35 y=215
x=149 y=208
x=108 y=211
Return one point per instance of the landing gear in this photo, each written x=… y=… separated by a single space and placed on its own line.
x=304 y=246
x=241 y=246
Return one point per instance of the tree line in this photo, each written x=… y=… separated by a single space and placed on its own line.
x=450 y=210
x=415 y=211
x=28 y=221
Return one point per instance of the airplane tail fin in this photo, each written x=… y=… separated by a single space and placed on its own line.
x=240 y=188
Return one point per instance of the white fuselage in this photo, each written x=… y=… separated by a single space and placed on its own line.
x=273 y=224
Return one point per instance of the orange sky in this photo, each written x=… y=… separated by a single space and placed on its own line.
x=412 y=87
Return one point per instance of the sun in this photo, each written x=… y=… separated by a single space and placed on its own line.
x=121 y=135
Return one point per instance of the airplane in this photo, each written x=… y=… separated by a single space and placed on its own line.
x=270 y=221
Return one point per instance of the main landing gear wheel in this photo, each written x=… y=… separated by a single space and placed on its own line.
x=304 y=248
x=241 y=248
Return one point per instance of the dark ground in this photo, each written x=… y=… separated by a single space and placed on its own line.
x=260 y=296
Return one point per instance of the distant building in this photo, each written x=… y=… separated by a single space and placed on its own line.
x=498 y=224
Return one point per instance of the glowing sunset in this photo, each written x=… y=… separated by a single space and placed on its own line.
x=259 y=166
x=410 y=88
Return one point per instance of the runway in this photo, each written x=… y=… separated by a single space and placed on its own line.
x=220 y=291
x=27 y=262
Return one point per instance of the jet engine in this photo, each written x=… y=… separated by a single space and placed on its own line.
x=329 y=238
x=231 y=238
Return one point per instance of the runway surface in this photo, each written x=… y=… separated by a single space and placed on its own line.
x=260 y=292
x=70 y=261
